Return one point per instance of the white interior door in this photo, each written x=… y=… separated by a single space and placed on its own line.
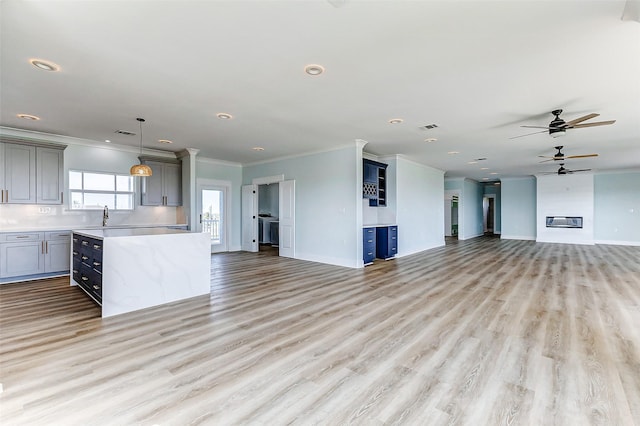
x=250 y=218
x=287 y=212
x=213 y=213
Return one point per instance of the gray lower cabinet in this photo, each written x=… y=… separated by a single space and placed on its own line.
x=34 y=253
x=164 y=186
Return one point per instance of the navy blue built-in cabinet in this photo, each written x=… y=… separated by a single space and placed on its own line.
x=386 y=242
x=374 y=182
x=368 y=245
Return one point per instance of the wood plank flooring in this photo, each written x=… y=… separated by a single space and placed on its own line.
x=480 y=332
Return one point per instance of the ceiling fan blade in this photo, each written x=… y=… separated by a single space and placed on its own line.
x=528 y=134
x=597 y=123
x=581 y=156
x=579 y=170
x=552 y=159
x=538 y=127
x=581 y=119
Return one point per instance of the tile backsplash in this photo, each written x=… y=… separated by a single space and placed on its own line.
x=17 y=216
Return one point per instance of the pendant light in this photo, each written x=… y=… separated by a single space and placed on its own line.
x=140 y=169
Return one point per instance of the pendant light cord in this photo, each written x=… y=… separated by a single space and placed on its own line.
x=140 y=120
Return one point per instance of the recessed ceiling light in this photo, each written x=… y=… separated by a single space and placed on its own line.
x=431 y=139
x=107 y=141
x=485 y=178
x=494 y=173
x=453 y=152
x=314 y=69
x=396 y=121
x=164 y=141
x=258 y=148
x=472 y=162
x=224 y=116
x=497 y=184
x=44 y=65
x=484 y=168
x=29 y=117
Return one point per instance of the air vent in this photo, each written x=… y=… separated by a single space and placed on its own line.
x=125 y=132
x=429 y=126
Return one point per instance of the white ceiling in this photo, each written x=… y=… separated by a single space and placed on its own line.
x=477 y=69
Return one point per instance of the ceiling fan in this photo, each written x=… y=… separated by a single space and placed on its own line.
x=559 y=156
x=563 y=171
x=558 y=126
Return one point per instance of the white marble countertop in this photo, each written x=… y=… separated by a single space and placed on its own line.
x=127 y=232
x=379 y=225
x=96 y=227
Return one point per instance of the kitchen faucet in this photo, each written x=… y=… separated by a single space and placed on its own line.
x=105 y=215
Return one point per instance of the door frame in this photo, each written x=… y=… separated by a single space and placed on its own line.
x=265 y=180
x=225 y=187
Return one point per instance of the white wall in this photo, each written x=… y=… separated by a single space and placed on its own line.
x=518 y=208
x=419 y=195
x=617 y=208
x=328 y=205
x=566 y=195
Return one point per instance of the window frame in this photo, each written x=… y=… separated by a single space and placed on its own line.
x=113 y=193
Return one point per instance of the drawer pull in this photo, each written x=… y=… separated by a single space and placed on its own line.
x=85 y=243
x=75 y=271
x=75 y=240
x=97 y=263
x=84 y=278
x=22 y=236
x=97 y=247
x=96 y=287
x=75 y=253
x=84 y=257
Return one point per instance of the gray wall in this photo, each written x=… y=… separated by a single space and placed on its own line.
x=518 y=210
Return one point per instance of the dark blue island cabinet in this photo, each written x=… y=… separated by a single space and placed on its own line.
x=368 y=245
x=386 y=242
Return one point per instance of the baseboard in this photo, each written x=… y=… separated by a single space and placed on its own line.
x=577 y=242
x=328 y=260
x=517 y=237
x=403 y=254
x=471 y=236
x=618 y=243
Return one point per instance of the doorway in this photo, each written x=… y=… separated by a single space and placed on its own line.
x=451 y=215
x=489 y=214
x=213 y=213
x=268 y=218
x=281 y=230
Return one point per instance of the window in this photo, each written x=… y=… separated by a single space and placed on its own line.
x=94 y=190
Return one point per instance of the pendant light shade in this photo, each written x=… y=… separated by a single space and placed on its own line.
x=140 y=169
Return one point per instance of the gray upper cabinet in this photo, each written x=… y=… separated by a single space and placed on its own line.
x=49 y=176
x=19 y=174
x=31 y=174
x=164 y=186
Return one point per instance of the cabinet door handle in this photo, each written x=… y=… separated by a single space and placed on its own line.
x=2 y=197
x=46 y=246
x=85 y=243
x=84 y=257
x=84 y=278
x=62 y=198
x=75 y=253
x=96 y=263
x=42 y=246
x=97 y=246
x=75 y=271
x=96 y=287
x=200 y=218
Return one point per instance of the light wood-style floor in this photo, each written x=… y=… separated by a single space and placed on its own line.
x=480 y=332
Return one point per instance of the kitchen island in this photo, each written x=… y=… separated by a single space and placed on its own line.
x=125 y=270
